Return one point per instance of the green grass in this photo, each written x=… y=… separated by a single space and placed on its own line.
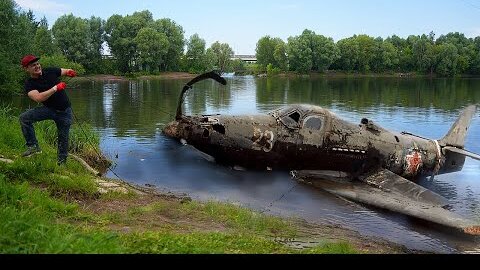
x=241 y=219
x=31 y=222
x=38 y=213
x=201 y=243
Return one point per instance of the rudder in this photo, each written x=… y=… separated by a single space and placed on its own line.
x=457 y=133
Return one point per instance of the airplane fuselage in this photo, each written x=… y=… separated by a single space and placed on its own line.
x=309 y=138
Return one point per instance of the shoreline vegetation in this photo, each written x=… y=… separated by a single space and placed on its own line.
x=328 y=74
x=291 y=75
x=50 y=209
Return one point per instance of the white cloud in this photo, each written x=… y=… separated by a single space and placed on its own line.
x=44 y=6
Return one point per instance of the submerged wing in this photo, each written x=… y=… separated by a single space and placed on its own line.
x=391 y=182
x=386 y=190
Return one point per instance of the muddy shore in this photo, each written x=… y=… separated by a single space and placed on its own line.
x=310 y=234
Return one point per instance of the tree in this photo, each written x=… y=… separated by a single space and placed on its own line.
x=311 y=52
x=366 y=46
x=120 y=33
x=299 y=54
x=196 y=60
x=446 y=59
x=223 y=55
x=280 y=56
x=72 y=35
x=405 y=53
x=348 y=54
x=43 y=42
x=475 y=67
x=210 y=61
x=176 y=40
x=465 y=49
x=264 y=51
x=152 y=48
x=324 y=51
x=384 y=56
x=16 y=34
x=96 y=38
x=390 y=57
x=271 y=51
x=424 y=54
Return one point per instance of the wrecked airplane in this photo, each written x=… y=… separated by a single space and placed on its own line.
x=361 y=162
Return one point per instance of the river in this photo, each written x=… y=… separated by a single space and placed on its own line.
x=129 y=115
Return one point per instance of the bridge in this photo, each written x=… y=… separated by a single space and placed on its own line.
x=245 y=58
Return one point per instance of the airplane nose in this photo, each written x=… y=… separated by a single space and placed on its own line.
x=171 y=129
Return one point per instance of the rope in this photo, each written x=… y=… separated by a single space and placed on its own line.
x=280 y=198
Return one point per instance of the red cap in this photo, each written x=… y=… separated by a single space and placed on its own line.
x=28 y=59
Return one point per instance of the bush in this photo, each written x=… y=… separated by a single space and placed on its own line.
x=108 y=66
x=272 y=70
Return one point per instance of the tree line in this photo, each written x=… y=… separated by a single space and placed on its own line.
x=449 y=55
x=139 y=43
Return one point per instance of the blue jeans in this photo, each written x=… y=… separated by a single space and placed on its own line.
x=63 y=120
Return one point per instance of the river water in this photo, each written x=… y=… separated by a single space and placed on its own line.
x=129 y=115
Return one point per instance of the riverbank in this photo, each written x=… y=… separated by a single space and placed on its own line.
x=326 y=74
x=46 y=208
x=123 y=219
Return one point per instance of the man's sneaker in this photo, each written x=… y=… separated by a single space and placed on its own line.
x=31 y=151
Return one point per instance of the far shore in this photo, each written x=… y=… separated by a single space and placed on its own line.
x=328 y=74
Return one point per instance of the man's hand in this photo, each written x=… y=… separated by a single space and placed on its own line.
x=71 y=73
x=60 y=86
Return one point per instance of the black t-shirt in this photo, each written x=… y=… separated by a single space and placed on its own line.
x=50 y=77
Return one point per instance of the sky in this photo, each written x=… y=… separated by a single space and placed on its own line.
x=241 y=23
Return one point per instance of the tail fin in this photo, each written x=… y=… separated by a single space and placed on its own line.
x=456 y=136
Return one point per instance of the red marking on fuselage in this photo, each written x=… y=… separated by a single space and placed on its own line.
x=413 y=163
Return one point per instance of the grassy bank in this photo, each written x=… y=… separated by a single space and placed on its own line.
x=46 y=208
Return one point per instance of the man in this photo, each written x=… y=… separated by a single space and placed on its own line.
x=44 y=86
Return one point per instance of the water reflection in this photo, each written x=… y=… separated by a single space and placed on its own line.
x=130 y=115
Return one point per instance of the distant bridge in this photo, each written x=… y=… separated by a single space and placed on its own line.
x=245 y=58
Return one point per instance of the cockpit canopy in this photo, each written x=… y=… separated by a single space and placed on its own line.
x=300 y=116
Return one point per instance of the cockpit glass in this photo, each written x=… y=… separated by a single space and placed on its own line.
x=313 y=122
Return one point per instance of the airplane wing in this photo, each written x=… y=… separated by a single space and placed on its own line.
x=386 y=190
x=394 y=183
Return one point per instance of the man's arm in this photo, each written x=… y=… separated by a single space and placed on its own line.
x=41 y=97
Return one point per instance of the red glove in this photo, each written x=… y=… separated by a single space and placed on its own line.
x=61 y=86
x=71 y=73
